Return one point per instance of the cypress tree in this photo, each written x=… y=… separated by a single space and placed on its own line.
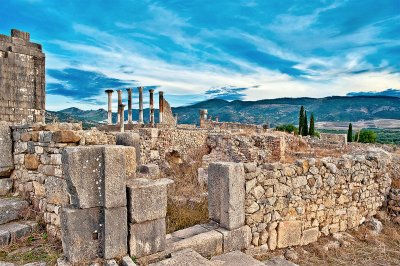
x=312 y=126
x=301 y=120
x=350 y=133
x=305 y=124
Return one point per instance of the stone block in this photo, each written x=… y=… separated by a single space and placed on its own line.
x=66 y=136
x=150 y=170
x=81 y=233
x=184 y=257
x=11 y=208
x=6 y=185
x=310 y=236
x=130 y=162
x=6 y=150
x=4 y=237
x=147 y=238
x=147 y=199
x=16 y=230
x=127 y=261
x=236 y=239
x=129 y=139
x=207 y=244
x=115 y=233
x=95 y=176
x=235 y=258
x=111 y=263
x=56 y=191
x=31 y=161
x=289 y=234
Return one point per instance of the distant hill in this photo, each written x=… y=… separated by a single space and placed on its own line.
x=275 y=111
x=388 y=92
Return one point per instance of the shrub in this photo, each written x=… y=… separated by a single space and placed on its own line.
x=367 y=136
x=287 y=128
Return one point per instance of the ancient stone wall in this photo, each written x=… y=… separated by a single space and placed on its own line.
x=38 y=174
x=293 y=204
x=22 y=79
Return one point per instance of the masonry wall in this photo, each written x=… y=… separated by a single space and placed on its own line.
x=293 y=204
x=22 y=79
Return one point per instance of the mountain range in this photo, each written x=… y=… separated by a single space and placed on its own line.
x=273 y=111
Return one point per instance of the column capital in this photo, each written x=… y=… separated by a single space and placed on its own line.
x=109 y=91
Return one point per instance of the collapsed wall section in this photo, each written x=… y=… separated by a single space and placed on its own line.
x=22 y=79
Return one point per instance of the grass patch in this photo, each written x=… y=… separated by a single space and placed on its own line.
x=36 y=247
x=183 y=216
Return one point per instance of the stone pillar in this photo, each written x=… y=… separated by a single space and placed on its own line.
x=161 y=106
x=140 y=105
x=176 y=119
x=151 y=107
x=147 y=209
x=95 y=225
x=119 y=103
x=129 y=105
x=226 y=194
x=203 y=116
x=109 y=113
x=217 y=119
x=122 y=118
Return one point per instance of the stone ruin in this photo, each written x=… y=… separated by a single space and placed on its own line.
x=104 y=192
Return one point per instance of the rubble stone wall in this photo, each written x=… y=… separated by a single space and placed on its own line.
x=293 y=204
x=38 y=174
x=22 y=79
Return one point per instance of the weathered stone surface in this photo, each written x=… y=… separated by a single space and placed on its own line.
x=31 y=162
x=11 y=208
x=111 y=263
x=3 y=263
x=6 y=185
x=236 y=258
x=16 y=230
x=289 y=234
x=279 y=261
x=129 y=139
x=310 y=236
x=56 y=191
x=4 y=238
x=81 y=233
x=147 y=237
x=66 y=136
x=38 y=263
x=95 y=176
x=208 y=244
x=150 y=170
x=187 y=232
x=127 y=261
x=184 y=257
x=6 y=150
x=227 y=194
x=236 y=239
x=147 y=199
x=130 y=162
x=115 y=232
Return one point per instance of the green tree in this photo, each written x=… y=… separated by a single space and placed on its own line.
x=350 y=133
x=301 y=120
x=367 y=136
x=312 y=126
x=287 y=128
x=305 y=124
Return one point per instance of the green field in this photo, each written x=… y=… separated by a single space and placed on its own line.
x=385 y=136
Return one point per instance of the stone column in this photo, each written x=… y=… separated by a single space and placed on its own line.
x=176 y=119
x=203 y=116
x=151 y=107
x=121 y=124
x=119 y=103
x=161 y=106
x=217 y=119
x=140 y=105
x=109 y=114
x=129 y=105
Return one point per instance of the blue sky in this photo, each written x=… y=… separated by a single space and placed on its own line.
x=196 y=50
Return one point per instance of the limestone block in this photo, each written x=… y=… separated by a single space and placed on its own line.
x=66 y=136
x=289 y=233
x=208 y=244
x=237 y=239
x=150 y=170
x=226 y=194
x=129 y=139
x=6 y=185
x=127 y=261
x=95 y=176
x=147 y=199
x=147 y=238
x=11 y=208
x=130 y=162
x=235 y=258
x=31 y=161
x=111 y=263
x=6 y=150
x=16 y=230
x=4 y=237
x=56 y=191
x=115 y=233
x=184 y=257
x=81 y=233
x=310 y=236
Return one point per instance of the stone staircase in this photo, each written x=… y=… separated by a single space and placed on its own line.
x=12 y=227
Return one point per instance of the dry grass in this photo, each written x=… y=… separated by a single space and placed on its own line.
x=183 y=216
x=36 y=247
x=365 y=250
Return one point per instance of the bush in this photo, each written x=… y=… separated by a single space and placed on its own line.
x=287 y=128
x=367 y=136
